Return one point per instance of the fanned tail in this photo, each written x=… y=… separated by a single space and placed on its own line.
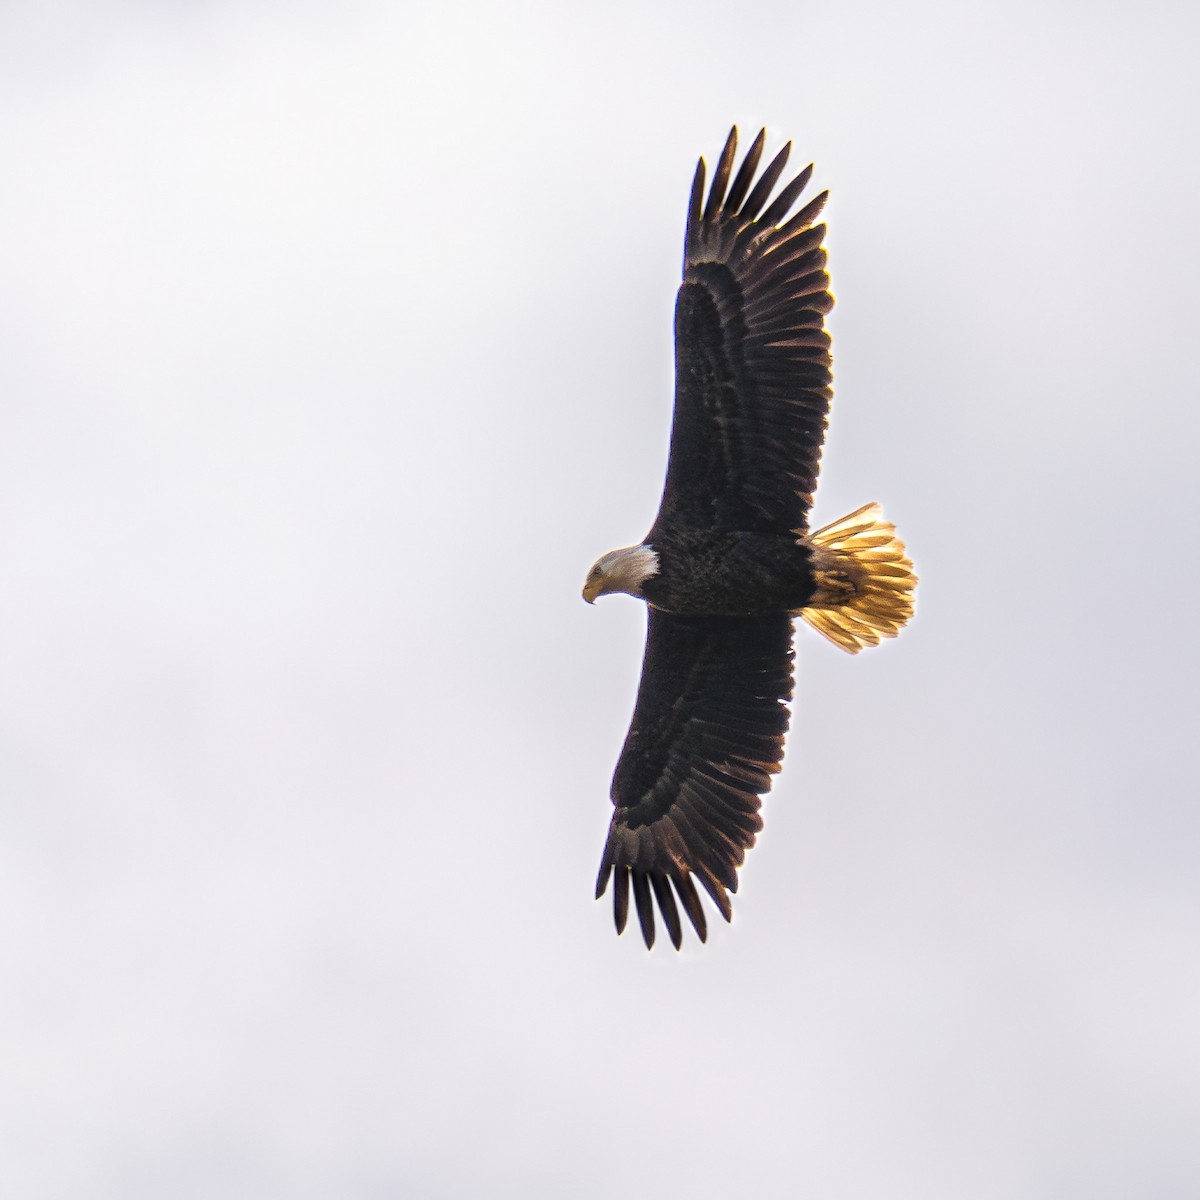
x=865 y=581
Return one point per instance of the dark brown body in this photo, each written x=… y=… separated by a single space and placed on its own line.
x=731 y=574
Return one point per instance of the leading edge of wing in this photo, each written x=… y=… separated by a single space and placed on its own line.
x=707 y=734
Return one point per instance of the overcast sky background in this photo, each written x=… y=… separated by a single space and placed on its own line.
x=334 y=347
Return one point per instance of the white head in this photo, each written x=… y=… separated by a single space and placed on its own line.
x=621 y=571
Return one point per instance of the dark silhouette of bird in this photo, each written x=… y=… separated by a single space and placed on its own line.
x=729 y=561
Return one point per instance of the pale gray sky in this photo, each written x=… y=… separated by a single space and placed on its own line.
x=334 y=346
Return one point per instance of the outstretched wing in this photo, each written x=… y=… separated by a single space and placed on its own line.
x=752 y=363
x=707 y=735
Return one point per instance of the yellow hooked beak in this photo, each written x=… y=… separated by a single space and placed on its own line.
x=593 y=587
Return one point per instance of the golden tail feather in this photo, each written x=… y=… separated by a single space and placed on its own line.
x=865 y=581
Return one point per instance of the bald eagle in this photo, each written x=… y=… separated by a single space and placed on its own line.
x=729 y=560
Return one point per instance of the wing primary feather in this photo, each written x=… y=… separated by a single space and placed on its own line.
x=739 y=825
x=645 y=906
x=726 y=870
x=796 y=239
x=741 y=182
x=713 y=850
x=708 y=845
x=691 y=904
x=718 y=823
x=713 y=887
x=602 y=878
x=762 y=189
x=777 y=283
x=621 y=898
x=784 y=201
x=693 y=222
x=720 y=182
x=666 y=905
x=810 y=212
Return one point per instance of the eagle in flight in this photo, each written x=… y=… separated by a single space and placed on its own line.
x=730 y=560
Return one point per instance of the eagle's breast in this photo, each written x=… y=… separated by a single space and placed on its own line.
x=703 y=573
